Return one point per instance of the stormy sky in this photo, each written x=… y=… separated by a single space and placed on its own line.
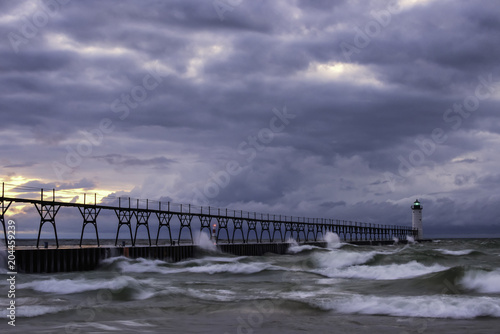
x=335 y=109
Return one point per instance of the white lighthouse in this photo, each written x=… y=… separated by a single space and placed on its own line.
x=416 y=219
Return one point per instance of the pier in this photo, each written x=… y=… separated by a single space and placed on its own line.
x=255 y=233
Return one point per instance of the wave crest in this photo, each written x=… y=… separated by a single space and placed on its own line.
x=454 y=307
x=482 y=281
x=456 y=252
x=386 y=272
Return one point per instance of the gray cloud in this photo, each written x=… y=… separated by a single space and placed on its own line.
x=331 y=205
x=35 y=185
x=128 y=161
x=341 y=156
x=24 y=164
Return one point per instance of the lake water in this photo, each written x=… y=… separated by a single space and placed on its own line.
x=435 y=287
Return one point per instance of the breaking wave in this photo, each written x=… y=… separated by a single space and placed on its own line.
x=200 y=266
x=482 y=281
x=456 y=252
x=68 y=286
x=454 y=307
x=384 y=272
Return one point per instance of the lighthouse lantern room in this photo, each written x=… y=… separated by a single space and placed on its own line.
x=416 y=219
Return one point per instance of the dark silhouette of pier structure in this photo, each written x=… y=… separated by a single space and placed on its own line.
x=277 y=228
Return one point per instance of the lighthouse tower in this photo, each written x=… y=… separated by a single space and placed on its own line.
x=416 y=219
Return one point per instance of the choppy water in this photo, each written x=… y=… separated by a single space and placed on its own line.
x=444 y=286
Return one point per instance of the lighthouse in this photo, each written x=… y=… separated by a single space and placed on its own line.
x=214 y=237
x=416 y=219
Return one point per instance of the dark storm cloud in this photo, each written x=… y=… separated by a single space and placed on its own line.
x=127 y=161
x=31 y=185
x=217 y=78
x=491 y=181
x=331 y=205
x=26 y=164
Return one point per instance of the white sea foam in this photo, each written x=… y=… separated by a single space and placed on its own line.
x=297 y=249
x=385 y=272
x=68 y=286
x=333 y=240
x=103 y=327
x=145 y=266
x=210 y=294
x=410 y=239
x=340 y=258
x=140 y=288
x=316 y=296
x=203 y=241
x=213 y=294
x=29 y=311
x=130 y=323
x=455 y=307
x=350 y=264
x=482 y=281
x=142 y=265
x=111 y=260
x=119 y=260
x=233 y=268
x=109 y=326
x=455 y=252
x=209 y=259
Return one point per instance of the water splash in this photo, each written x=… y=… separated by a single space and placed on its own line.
x=204 y=242
x=396 y=240
x=292 y=242
x=482 y=281
x=410 y=239
x=332 y=240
